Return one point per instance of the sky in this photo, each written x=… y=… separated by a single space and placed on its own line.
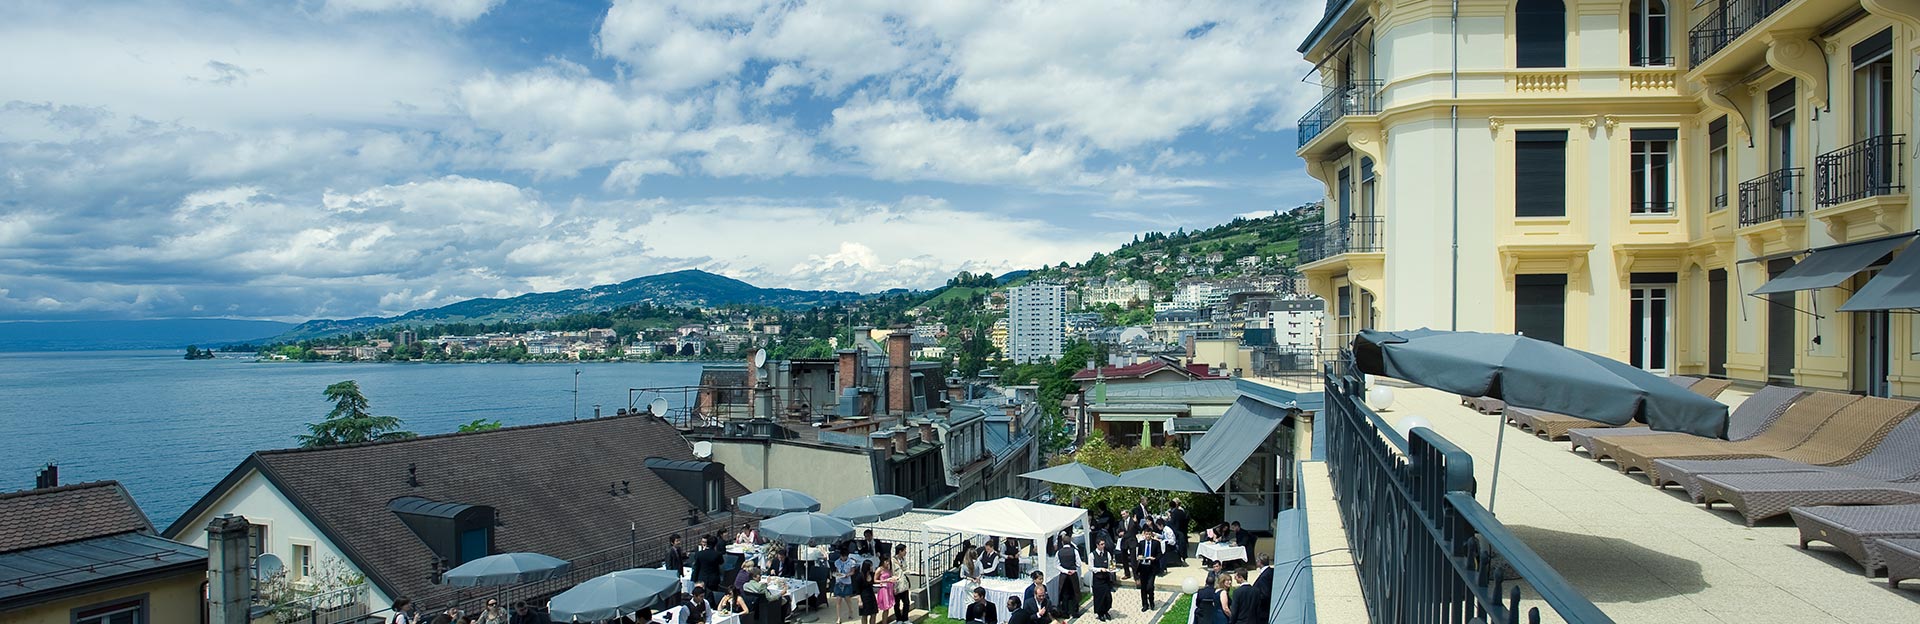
x=337 y=158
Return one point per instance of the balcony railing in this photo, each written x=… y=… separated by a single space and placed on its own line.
x=1771 y=197
x=1424 y=549
x=1360 y=98
x=1354 y=235
x=1726 y=23
x=1870 y=168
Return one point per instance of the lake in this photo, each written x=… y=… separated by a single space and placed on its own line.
x=169 y=428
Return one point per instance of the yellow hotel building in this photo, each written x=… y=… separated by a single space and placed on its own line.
x=1627 y=178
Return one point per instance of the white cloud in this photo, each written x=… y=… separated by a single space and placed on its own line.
x=456 y=11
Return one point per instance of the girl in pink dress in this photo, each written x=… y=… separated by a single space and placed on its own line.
x=883 y=586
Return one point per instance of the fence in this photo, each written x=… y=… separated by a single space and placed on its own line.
x=1354 y=234
x=1869 y=168
x=689 y=406
x=1726 y=23
x=1770 y=197
x=346 y=604
x=1424 y=549
x=1360 y=98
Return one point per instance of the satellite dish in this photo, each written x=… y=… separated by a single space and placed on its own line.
x=658 y=407
x=269 y=565
x=759 y=358
x=703 y=449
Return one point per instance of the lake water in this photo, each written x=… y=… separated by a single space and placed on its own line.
x=169 y=429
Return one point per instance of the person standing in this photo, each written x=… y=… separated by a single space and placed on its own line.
x=843 y=594
x=403 y=611
x=1248 y=607
x=980 y=611
x=883 y=581
x=1210 y=603
x=1128 y=542
x=698 y=607
x=1069 y=559
x=1263 y=584
x=1177 y=519
x=706 y=565
x=1010 y=558
x=1146 y=563
x=1102 y=580
x=990 y=556
x=1018 y=613
x=1036 y=597
x=901 y=605
x=676 y=554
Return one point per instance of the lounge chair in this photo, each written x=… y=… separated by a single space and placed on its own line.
x=1710 y=387
x=1855 y=530
x=1684 y=381
x=1752 y=416
x=1487 y=405
x=1894 y=457
x=1761 y=496
x=1902 y=557
x=1802 y=419
x=1554 y=426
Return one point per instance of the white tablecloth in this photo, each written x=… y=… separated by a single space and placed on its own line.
x=998 y=589
x=716 y=618
x=1221 y=552
x=799 y=590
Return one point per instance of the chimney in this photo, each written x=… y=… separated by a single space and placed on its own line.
x=900 y=372
x=881 y=442
x=1013 y=420
x=596 y=411
x=48 y=477
x=849 y=370
x=927 y=433
x=901 y=441
x=229 y=590
x=956 y=394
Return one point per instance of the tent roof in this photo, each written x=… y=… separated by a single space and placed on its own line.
x=1009 y=517
x=1240 y=432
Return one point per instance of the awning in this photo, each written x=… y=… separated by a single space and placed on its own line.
x=1897 y=287
x=1829 y=266
x=1216 y=455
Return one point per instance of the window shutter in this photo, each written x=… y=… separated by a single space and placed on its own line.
x=1780 y=99
x=1540 y=34
x=1717 y=134
x=1540 y=307
x=1655 y=134
x=1540 y=173
x=1873 y=48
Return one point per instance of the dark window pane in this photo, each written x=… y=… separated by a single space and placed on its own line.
x=1539 y=307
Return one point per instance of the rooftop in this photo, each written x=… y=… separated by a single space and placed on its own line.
x=63 y=541
x=68 y=513
x=1649 y=555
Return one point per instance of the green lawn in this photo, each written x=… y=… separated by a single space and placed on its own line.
x=1177 y=614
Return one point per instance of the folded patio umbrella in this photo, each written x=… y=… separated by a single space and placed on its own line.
x=776 y=501
x=873 y=508
x=1540 y=375
x=505 y=569
x=806 y=528
x=1076 y=474
x=1166 y=478
x=614 y=595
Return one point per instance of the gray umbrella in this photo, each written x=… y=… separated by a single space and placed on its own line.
x=1166 y=478
x=806 y=528
x=776 y=501
x=1075 y=473
x=874 y=508
x=505 y=569
x=614 y=595
x=1540 y=375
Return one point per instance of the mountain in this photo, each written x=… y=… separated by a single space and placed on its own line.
x=680 y=288
x=147 y=334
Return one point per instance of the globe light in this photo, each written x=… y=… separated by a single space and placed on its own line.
x=1406 y=425
x=1380 y=398
x=1191 y=585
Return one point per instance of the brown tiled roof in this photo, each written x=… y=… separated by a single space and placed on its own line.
x=68 y=513
x=548 y=485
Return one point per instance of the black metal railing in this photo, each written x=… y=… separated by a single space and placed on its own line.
x=1725 y=24
x=1423 y=548
x=1870 y=168
x=1354 y=235
x=1719 y=201
x=1771 y=197
x=1360 y=98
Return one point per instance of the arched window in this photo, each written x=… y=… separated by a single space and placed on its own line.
x=1540 y=30
x=1647 y=28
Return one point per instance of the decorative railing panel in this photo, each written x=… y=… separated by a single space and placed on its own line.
x=1360 y=98
x=1870 y=168
x=1353 y=235
x=1770 y=197
x=1725 y=24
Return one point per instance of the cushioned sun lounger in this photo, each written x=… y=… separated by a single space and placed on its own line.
x=1750 y=417
x=1895 y=458
x=1853 y=530
x=1852 y=433
x=1902 y=556
x=1761 y=496
x=1805 y=417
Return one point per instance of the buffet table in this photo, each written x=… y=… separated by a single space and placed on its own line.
x=1221 y=551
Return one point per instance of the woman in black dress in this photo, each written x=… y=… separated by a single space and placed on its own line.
x=863 y=585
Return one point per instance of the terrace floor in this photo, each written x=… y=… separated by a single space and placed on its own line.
x=1648 y=555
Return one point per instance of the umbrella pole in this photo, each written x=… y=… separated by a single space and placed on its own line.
x=1499 y=446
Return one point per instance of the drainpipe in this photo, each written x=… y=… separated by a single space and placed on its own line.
x=1453 y=320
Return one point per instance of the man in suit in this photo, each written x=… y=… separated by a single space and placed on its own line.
x=1036 y=597
x=1248 y=603
x=870 y=546
x=1018 y=614
x=1146 y=563
x=676 y=554
x=1069 y=577
x=900 y=593
x=706 y=565
x=1102 y=580
x=1177 y=518
x=1242 y=537
x=1263 y=584
x=1010 y=558
x=1140 y=512
x=980 y=611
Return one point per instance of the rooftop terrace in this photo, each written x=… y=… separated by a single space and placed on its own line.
x=1639 y=553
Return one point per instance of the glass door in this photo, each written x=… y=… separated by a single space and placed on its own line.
x=1652 y=322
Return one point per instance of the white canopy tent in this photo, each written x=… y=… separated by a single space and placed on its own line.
x=1012 y=517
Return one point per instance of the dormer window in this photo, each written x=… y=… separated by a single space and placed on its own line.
x=455 y=532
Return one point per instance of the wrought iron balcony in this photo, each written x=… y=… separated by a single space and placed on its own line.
x=1726 y=23
x=1354 y=235
x=1771 y=197
x=1870 y=168
x=1360 y=98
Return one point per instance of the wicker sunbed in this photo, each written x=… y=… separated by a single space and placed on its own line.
x=1854 y=530
x=1761 y=496
x=1803 y=418
x=1487 y=405
x=1894 y=458
x=1710 y=387
x=1902 y=558
x=1749 y=418
x=1684 y=381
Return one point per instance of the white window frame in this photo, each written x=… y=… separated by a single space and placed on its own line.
x=1643 y=153
x=1643 y=294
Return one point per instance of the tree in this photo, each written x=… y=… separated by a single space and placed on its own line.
x=1096 y=452
x=349 y=422
x=478 y=425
